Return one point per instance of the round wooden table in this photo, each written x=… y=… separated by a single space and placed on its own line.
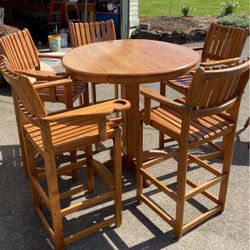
x=129 y=63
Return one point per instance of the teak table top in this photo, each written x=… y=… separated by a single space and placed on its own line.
x=129 y=62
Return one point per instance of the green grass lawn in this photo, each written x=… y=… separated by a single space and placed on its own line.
x=199 y=7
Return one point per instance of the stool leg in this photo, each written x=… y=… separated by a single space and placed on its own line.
x=161 y=135
x=69 y=105
x=228 y=146
x=116 y=91
x=93 y=94
x=20 y=122
x=90 y=170
x=161 y=140
x=93 y=90
x=139 y=161
x=52 y=184
x=73 y=159
x=85 y=96
x=54 y=199
x=118 y=177
x=181 y=186
x=31 y=164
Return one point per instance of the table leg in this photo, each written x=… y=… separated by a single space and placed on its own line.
x=131 y=123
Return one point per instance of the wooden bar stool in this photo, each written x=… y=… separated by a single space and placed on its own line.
x=209 y=111
x=56 y=134
x=219 y=48
x=87 y=33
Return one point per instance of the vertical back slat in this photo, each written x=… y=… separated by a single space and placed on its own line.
x=216 y=39
x=78 y=35
x=221 y=44
x=230 y=88
x=32 y=48
x=236 y=43
x=206 y=95
x=92 y=32
x=234 y=87
x=216 y=90
x=98 y=31
x=227 y=40
x=72 y=34
x=235 y=35
x=103 y=30
x=87 y=33
x=109 y=30
x=241 y=38
x=83 y=39
x=222 y=94
x=26 y=49
x=113 y=33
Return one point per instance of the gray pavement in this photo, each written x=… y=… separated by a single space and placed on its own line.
x=141 y=228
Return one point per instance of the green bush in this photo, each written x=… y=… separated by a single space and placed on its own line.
x=229 y=8
x=237 y=21
x=185 y=9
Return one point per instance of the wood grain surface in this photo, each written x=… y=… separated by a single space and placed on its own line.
x=129 y=61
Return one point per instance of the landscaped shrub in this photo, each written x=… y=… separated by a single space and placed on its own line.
x=185 y=10
x=237 y=21
x=228 y=8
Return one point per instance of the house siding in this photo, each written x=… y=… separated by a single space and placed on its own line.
x=133 y=13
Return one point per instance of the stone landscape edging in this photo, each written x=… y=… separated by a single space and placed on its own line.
x=178 y=37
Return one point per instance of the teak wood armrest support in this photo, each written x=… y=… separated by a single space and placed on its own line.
x=43 y=55
x=97 y=110
x=150 y=94
x=61 y=82
x=218 y=62
x=42 y=75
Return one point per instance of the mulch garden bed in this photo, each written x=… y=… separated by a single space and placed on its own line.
x=174 y=29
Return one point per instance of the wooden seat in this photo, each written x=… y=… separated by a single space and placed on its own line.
x=219 y=48
x=86 y=33
x=55 y=134
x=24 y=58
x=209 y=112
